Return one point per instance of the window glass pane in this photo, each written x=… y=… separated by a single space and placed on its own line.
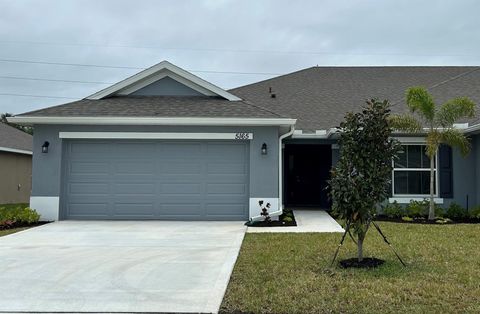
x=412 y=182
x=401 y=160
x=414 y=156
x=400 y=182
x=425 y=159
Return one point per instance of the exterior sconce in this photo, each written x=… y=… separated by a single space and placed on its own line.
x=264 y=149
x=45 y=147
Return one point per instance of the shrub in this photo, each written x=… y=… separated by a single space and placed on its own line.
x=18 y=215
x=287 y=219
x=455 y=211
x=406 y=218
x=475 y=212
x=394 y=210
x=417 y=208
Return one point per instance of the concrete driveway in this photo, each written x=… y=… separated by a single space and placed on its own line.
x=125 y=266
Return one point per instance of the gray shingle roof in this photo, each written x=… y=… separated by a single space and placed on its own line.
x=10 y=137
x=319 y=97
x=156 y=106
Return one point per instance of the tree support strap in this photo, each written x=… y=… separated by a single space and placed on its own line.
x=386 y=241
x=347 y=230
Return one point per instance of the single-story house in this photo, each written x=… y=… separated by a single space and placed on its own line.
x=166 y=144
x=15 y=165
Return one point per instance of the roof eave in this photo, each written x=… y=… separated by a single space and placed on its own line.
x=196 y=121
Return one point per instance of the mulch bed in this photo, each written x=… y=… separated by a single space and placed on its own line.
x=21 y=225
x=425 y=221
x=367 y=262
x=274 y=223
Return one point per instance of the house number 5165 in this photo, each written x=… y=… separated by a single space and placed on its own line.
x=242 y=136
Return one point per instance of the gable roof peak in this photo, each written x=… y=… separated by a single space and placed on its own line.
x=156 y=73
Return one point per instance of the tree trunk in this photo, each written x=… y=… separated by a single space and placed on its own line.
x=431 y=209
x=360 y=247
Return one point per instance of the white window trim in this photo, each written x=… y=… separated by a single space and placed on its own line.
x=406 y=200
x=152 y=135
x=419 y=197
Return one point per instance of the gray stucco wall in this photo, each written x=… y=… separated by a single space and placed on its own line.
x=166 y=87
x=47 y=167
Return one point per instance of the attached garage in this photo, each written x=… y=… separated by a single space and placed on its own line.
x=155 y=179
x=162 y=144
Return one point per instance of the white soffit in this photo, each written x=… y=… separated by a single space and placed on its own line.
x=157 y=72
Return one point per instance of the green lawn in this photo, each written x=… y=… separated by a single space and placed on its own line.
x=285 y=273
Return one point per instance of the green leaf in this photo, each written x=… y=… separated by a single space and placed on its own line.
x=419 y=100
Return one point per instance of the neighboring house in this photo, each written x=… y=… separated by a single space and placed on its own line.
x=15 y=165
x=165 y=144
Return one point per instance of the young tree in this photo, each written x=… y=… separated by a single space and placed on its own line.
x=439 y=126
x=362 y=176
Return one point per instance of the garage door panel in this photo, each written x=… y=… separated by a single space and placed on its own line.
x=226 y=151
x=226 y=168
x=88 y=209
x=135 y=167
x=181 y=188
x=182 y=150
x=226 y=188
x=180 y=168
x=89 y=167
x=181 y=208
x=134 y=188
x=88 y=188
x=189 y=180
x=134 y=209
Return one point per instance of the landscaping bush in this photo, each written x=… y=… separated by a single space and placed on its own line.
x=18 y=215
x=394 y=210
x=475 y=213
x=455 y=211
x=417 y=208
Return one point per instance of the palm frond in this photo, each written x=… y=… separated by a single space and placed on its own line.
x=419 y=100
x=405 y=122
x=455 y=109
x=455 y=138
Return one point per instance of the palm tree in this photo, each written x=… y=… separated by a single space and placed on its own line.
x=437 y=123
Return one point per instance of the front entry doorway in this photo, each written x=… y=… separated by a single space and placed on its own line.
x=306 y=171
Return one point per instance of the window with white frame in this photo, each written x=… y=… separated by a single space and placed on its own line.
x=411 y=172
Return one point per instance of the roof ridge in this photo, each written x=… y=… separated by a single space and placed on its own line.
x=273 y=78
x=263 y=108
x=453 y=78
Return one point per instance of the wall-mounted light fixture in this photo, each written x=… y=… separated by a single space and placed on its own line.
x=264 y=149
x=45 y=147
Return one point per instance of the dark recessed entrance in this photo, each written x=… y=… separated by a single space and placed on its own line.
x=306 y=171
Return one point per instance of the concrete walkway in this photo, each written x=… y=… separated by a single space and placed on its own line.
x=307 y=221
x=118 y=266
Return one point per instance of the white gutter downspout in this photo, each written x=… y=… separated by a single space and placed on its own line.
x=280 y=176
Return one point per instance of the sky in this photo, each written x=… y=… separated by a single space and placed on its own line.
x=229 y=43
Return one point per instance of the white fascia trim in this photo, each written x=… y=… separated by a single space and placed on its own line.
x=14 y=150
x=25 y=120
x=407 y=199
x=411 y=140
x=319 y=134
x=151 y=135
x=164 y=65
